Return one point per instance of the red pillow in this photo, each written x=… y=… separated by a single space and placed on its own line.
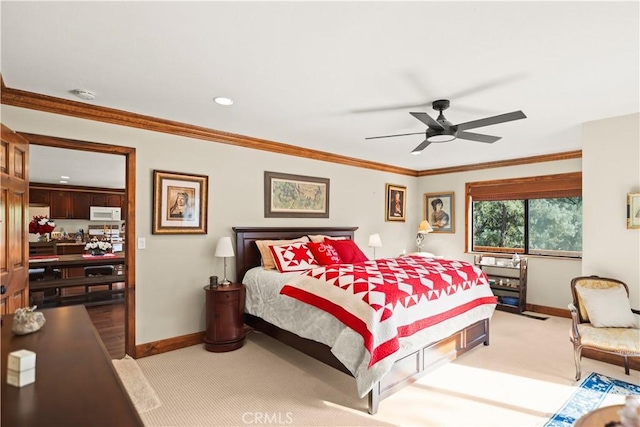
x=348 y=251
x=293 y=257
x=324 y=253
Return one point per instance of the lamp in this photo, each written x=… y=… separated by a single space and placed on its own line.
x=224 y=249
x=423 y=229
x=375 y=242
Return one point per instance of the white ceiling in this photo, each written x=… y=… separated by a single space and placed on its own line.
x=304 y=73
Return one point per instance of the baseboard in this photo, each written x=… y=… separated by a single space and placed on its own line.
x=551 y=311
x=169 y=344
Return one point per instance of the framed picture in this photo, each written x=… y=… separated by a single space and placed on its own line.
x=295 y=196
x=395 y=203
x=439 y=210
x=633 y=210
x=179 y=203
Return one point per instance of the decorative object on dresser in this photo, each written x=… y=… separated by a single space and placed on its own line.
x=375 y=242
x=423 y=229
x=439 y=211
x=26 y=320
x=224 y=317
x=179 y=203
x=224 y=249
x=295 y=196
x=395 y=203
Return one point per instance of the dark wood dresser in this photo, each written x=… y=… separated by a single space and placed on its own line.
x=76 y=383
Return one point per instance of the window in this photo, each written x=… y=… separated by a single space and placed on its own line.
x=537 y=215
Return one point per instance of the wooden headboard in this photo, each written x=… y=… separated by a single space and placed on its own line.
x=248 y=255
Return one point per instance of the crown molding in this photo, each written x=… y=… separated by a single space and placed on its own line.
x=50 y=104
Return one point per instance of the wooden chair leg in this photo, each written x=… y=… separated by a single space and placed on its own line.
x=626 y=365
x=577 y=356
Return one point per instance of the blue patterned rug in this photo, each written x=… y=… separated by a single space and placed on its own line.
x=596 y=390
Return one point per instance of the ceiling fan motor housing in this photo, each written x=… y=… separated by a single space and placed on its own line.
x=443 y=135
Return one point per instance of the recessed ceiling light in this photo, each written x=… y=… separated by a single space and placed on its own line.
x=64 y=177
x=223 y=101
x=84 y=94
x=63 y=182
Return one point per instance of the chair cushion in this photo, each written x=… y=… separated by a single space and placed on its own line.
x=607 y=307
x=618 y=340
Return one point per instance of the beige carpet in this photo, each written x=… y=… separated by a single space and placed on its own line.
x=521 y=379
x=142 y=394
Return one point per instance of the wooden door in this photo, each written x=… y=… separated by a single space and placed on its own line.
x=14 y=200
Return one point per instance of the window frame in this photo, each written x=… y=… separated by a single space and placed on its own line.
x=527 y=188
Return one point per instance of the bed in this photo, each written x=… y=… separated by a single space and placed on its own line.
x=413 y=363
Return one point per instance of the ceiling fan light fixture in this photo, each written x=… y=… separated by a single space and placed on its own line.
x=441 y=135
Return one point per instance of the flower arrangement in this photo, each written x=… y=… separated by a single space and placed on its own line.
x=96 y=246
x=41 y=224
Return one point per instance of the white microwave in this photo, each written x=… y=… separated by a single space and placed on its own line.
x=104 y=213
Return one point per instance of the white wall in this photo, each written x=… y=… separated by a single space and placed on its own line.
x=611 y=162
x=548 y=279
x=171 y=272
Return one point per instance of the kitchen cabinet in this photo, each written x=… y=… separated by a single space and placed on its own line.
x=65 y=203
x=38 y=196
x=59 y=204
x=80 y=205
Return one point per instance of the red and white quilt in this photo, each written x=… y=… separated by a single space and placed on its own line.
x=387 y=299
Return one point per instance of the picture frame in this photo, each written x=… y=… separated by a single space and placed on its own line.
x=439 y=210
x=633 y=210
x=395 y=203
x=179 y=203
x=295 y=196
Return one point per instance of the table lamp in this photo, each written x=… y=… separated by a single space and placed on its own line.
x=423 y=229
x=375 y=242
x=224 y=249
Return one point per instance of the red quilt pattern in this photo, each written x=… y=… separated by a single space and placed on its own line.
x=385 y=299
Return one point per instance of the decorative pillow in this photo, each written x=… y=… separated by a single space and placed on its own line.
x=348 y=251
x=324 y=253
x=319 y=238
x=267 y=257
x=293 y=257
x=607 y=307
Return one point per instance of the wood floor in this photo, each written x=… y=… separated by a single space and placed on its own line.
x=109 y=321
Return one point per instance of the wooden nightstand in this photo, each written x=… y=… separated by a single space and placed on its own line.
x=225 y=311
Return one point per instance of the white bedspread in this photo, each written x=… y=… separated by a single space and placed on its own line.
x=263 y=300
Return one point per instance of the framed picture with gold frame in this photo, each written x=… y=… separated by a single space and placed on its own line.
x=439 y=210
x=395 y=203
x=179 y=203
x=633 y=210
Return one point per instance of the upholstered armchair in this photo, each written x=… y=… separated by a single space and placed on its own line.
x=603 y=319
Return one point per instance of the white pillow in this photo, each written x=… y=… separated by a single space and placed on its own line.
x=607 y=307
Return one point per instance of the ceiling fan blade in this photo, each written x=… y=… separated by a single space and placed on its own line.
x=427 y=120
x=390 y=108
x=391 y=136
x=421 y=147
x=478 y=137
x=501 y=118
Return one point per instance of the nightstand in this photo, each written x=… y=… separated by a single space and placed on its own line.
x=225 y=311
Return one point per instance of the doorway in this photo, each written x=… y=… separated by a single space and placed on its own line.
x=126 y=314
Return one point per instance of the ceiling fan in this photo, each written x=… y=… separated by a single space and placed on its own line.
x=442 y=130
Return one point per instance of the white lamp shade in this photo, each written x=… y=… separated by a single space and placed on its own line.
x=224 y=248
x=425 y=227
x=374 y=241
